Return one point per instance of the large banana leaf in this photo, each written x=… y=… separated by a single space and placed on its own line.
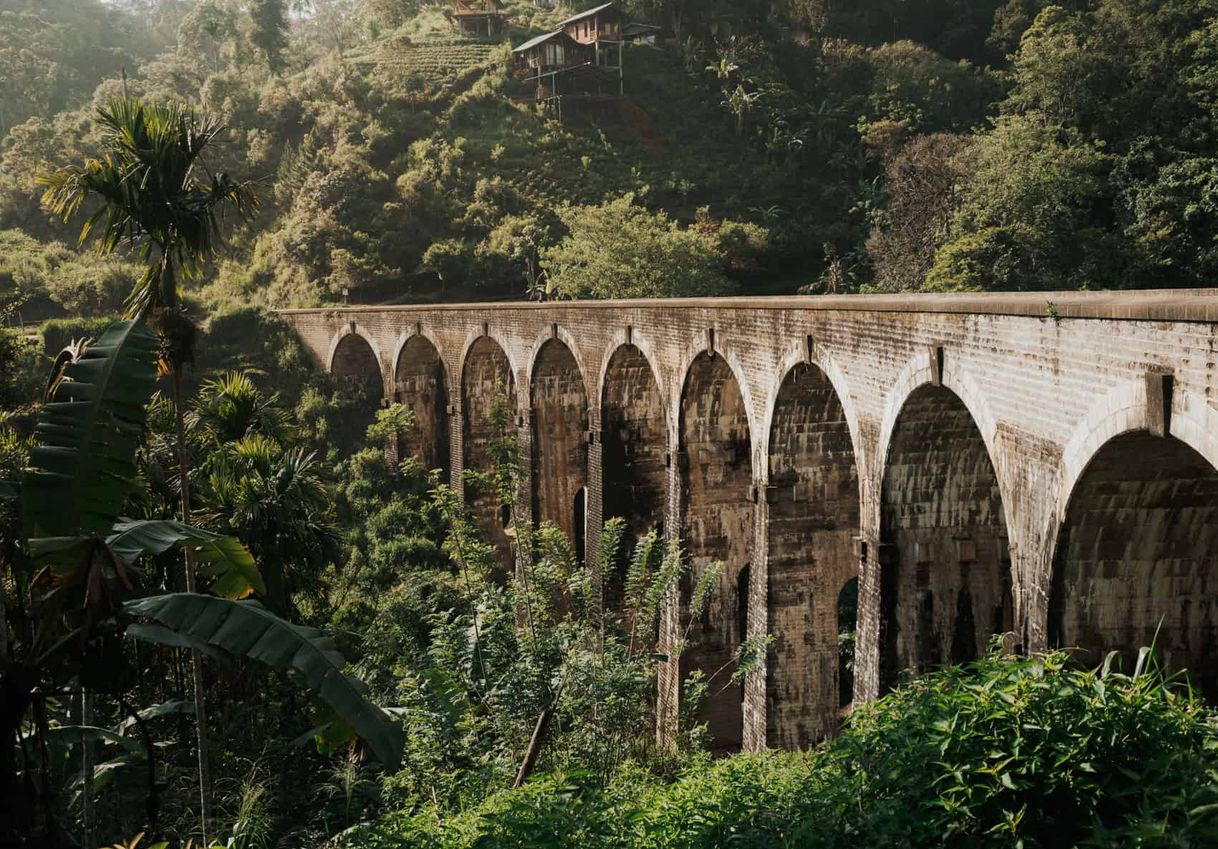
x=248 y=629
x=83 y=467
x=220 y=557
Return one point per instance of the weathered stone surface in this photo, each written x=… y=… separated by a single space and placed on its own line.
x=936 y=447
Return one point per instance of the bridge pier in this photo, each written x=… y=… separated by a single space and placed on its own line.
x=982 y=464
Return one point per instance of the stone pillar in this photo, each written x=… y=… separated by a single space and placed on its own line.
x=522 y=507
x=456 y=444
x=867 y=638
x=594 y=502
x=754 y=708
x=668 y=676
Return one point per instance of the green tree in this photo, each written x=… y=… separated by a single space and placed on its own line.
x=77 y=585
x=154 y=194
x=1027 y=216
x=619 y=249
x=270 y=34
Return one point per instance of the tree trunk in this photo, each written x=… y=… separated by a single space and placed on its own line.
x=533 y=752
x=196 y=656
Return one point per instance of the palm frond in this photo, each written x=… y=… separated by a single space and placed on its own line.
x=247 y=629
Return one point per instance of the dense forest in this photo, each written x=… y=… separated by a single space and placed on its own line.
x=402 y=682
x=800 y=146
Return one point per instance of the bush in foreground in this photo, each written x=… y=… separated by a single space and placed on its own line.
x=1003 y=752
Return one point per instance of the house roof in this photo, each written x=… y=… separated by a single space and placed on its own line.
x=541 y=39
x=632 y=28
x=586 y=14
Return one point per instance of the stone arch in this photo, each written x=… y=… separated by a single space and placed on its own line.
x=696 y=351
x=489 y=408
x=945 y=562
x=634 y=447
x=635 y=338
x=796 y=355
x=558 y=333
x=716 y=473
x=355 y=366
x=919 y=373
x=355 y=362
x=559 y=403
x=1136 y=555
x=420 y=382
x=814 y=518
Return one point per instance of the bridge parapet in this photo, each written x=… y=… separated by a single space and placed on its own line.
x=981 y=463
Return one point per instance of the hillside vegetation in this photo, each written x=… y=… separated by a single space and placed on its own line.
x=769 y=147
x=1003 y=753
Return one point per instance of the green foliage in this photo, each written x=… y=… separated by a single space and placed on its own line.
x=62 y=279
x=245 y=628
x=620 y=250
x=156 y=194
x=1025 y=221
x=222 y=558
x=1004 y=752
x=83 y=468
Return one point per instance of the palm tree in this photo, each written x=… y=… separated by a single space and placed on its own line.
x=73 y=563
x=155 y=195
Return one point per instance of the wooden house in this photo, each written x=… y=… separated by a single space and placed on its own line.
x=599 y=29
x=478 y=18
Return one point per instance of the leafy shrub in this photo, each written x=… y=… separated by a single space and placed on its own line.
x=1004 y=752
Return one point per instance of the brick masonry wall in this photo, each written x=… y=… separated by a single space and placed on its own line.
x=1044 y=391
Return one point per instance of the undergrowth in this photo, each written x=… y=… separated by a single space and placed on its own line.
x=1004 y=752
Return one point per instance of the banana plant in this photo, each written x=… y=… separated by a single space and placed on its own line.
x=81 y=582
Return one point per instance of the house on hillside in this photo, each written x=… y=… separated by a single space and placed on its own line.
x=582 y=58
x=637 y=33
x=601 y=30
x=478 y=18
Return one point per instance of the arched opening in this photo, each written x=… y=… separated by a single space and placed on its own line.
x=847 y=631
x=357 y=375
x=1137 y=558
x=560 y=443
x=633 y=446
x=945 y=580
x=488 y=400
x=716 y=488
x=813 y=499
x=579 y=521
x=420 y=385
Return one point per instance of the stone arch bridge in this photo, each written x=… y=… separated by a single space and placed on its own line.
x=1039 y=466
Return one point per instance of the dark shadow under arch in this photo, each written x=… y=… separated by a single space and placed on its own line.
x=634 y=440
x=488 y=403
x=560 y=438
x=420 y=384
x=813 y=504
x=1137 y=558
x=716 y=487
x=357 y=376
x=945 y=564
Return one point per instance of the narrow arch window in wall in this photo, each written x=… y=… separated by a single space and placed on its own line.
x=847 y=628
x=579 y=521
x=742 y=611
